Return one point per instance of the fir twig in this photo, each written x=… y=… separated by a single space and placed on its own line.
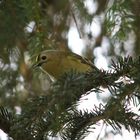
x=5 y=119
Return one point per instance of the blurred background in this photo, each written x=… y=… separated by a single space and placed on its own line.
x=100 y=30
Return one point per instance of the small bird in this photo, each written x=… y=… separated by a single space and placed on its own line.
x=57 y=62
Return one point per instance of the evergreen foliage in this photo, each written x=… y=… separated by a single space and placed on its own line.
x=51 y=110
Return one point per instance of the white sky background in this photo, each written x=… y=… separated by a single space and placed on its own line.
x=87 y=102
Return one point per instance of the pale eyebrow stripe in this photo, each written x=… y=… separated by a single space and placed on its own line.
x=37 y=58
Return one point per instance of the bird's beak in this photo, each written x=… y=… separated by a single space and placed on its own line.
x=36 y=65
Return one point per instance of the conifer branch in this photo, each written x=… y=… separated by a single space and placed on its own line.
x=5 y=120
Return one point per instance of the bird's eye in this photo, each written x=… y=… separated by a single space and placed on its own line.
x=43 y=57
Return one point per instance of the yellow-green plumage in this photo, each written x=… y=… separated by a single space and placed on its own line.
x=56 y=62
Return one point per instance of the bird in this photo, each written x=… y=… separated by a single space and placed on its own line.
x=57 y=62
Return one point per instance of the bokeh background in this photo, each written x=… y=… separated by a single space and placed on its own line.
x=100 y=30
